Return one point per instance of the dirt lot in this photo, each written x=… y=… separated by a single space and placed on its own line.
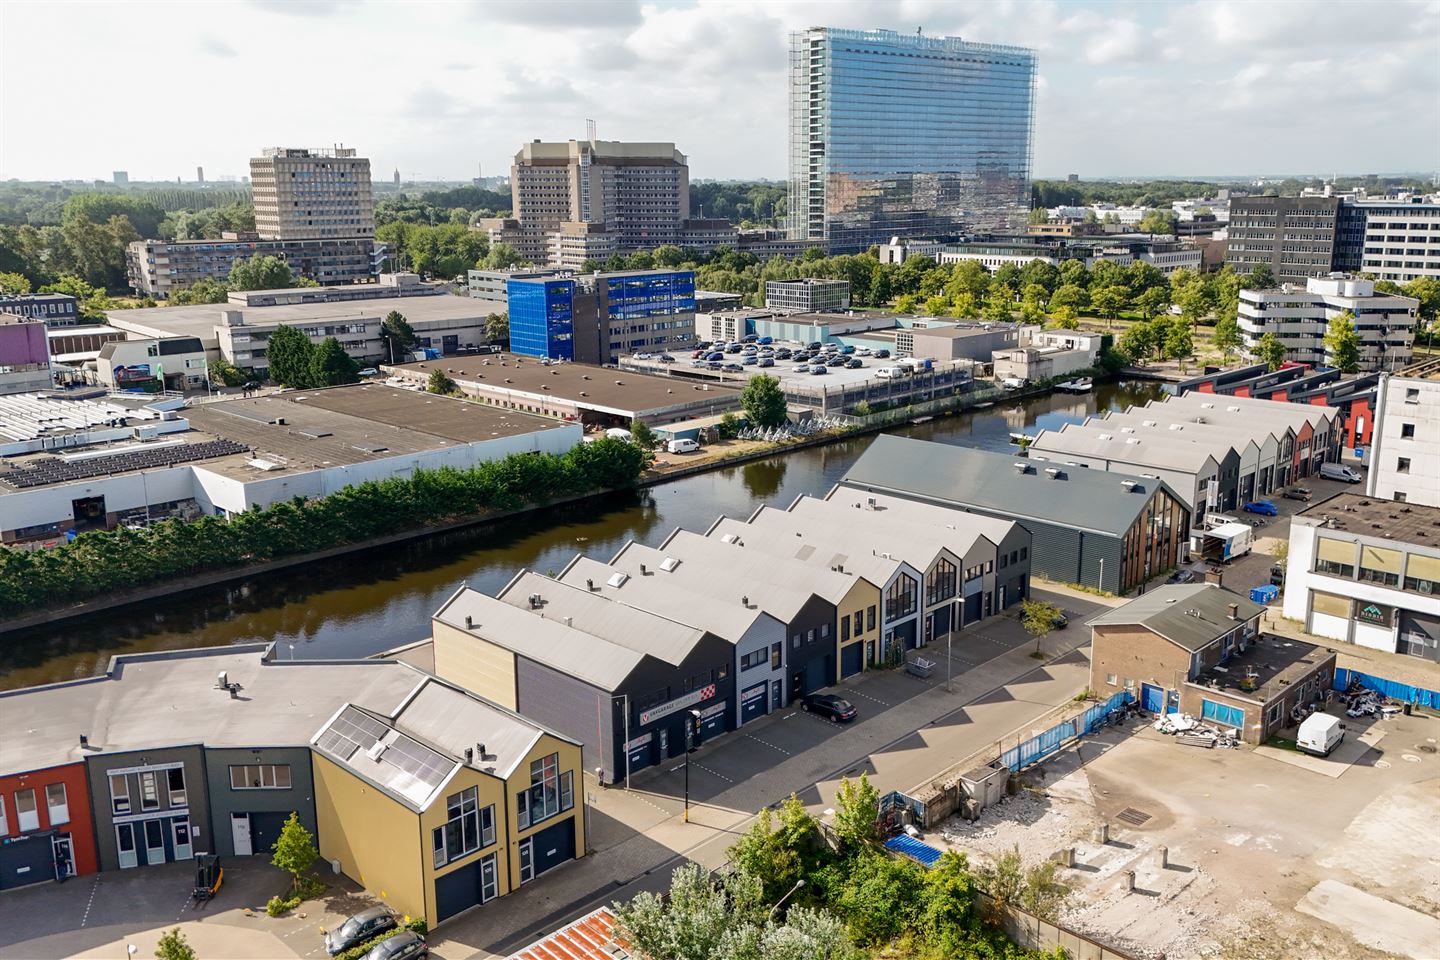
x=1266 y=859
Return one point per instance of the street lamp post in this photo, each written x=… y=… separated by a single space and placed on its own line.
x=691 y=729
x=798 y=884
x=1101 y=583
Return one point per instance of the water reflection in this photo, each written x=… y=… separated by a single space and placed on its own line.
x=365 y=602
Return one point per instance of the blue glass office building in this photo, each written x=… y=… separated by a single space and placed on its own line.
x=910 y=136
x=542 y=320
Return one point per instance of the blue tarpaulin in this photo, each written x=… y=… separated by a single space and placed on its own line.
x=1396 y=691
x=925 y=854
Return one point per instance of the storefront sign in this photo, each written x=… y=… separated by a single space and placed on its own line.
x=679 y=703
x=638 y=742
x=1374 y=614
x=753 y=693
x=713 y=710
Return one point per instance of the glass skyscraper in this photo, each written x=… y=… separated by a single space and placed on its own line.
x=910 y=136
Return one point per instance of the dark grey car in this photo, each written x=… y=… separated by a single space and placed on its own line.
x=363 y=926
x=405 y=945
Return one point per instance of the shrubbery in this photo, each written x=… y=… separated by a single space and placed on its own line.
x=103 y=561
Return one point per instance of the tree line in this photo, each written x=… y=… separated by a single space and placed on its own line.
x=99 y=562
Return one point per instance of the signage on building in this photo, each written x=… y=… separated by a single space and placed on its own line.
x=713 y=710
x=131 y=373
x=638 y=742
x=753 y=693
x=679 y=703
x=1212 y=494
x=1375 y=614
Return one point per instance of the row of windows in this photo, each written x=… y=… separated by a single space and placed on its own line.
x=550 y=793
x=148 y=789
x=27 y=814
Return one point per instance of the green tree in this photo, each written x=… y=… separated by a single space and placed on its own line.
x=1152 y=300
x=330 y=365
x=961 y=307
x=857 y=809
x=1195 y=301
x=880 y=897
x=440 y=382
x=1138 y=342
x=1038 y=618
x=143 y=214
x=397 y=337
x=92 y=300
x=1070 y=295
x=946 y=905
x=1157 y=221
x=497 y=329
x=502 y=256
x=1427 y=291
x=729 y=425
x=14 y=283
x=1110 y=300
x=644 y=437
x=260 y=273
x=1064 y=318
x=289 y=353
x=669 y=255
x=294 y=850
x=223 y=373
x=1259 y=278
x=1035 y=293
x=174 y=946
x=1179 y=343
x=1270 y=351
x=205 y=290
x=1342 y=344
x=1227 y=336
x=763 y=401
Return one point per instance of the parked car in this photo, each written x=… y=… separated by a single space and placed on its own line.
x=882 y=353
x=713 y=365
x=818 y=369
x=368 y=372
x=767 y=361
x=835 y=362
x=1181 y=576
x=750 y=360
x=734 y=348
x=716 y=355
x=1339 y=471
x=699 y=362
x=833 y=708
x=750 y=349
x=750 y=338
x=1059 y=621
x=1298 y=493
x=766 y=340
x=1263 y=507
x=697 y=354
x=733 y=368
x=800 y=368
x=363 y=926
x=682 y=446
x=847 y=349
x=854 y=363
x=406 y=945
x=784 y=353
x=665 y=358
x=813 y=345
x=864 y=351
x=644 y=356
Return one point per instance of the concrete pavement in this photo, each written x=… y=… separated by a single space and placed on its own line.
x=909 y=729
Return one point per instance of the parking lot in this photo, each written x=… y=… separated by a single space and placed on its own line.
x=100 y=915
x=783 y=369
x=1262 y=858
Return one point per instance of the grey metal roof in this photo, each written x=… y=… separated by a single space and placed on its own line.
x=904 y=528
x=662 y=594
x=451 y=720
x=168 y=699
x=372 y=747
x=1094 y=439
x=778 y=541
x=639 y=630
x=968 y=478
x=1191 y=615
x=549 y=641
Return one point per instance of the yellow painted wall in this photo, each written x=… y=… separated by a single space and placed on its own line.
x=520 y=780
x=375 y=838
x=863 y=595
x=491 y=790
x=464 y=658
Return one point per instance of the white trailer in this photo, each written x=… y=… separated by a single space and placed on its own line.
x=1227 y=541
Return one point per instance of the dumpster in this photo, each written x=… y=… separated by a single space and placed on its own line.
x=1265 y=594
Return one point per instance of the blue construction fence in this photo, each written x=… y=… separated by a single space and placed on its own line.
x=1392 y=689
x=1046 y=743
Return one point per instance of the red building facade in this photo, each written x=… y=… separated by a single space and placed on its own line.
x=46 y=829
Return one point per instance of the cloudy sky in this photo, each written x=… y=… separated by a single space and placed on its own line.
x=1210 y=87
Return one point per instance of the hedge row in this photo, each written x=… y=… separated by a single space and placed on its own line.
x=103 y=561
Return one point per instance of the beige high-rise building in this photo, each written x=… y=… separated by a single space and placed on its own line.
x=303 y=194
x=589 y=198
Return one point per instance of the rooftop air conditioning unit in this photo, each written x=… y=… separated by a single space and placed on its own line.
x=535 y=599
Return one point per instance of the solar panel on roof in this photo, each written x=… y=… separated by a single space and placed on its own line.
x=351 y=731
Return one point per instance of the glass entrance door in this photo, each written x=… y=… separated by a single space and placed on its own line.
x=527 y=860
x=154 y=841
x=125 y=845
x=180 y=828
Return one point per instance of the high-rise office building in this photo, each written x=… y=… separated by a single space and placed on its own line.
x=590 y=199
x=600 y=317
x=894 y=135
x=304 y=194
x=1295 y=237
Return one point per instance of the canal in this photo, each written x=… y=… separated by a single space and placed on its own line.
x=370 y=601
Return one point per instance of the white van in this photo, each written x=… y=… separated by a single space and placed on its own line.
x=1319 y=734
x=890 y=373
x=682 y=446
x=1012 y=383
x=1338 y=471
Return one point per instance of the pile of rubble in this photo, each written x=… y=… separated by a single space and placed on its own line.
x=1195 y=732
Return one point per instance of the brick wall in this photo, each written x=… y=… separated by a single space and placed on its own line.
x=1135 y=654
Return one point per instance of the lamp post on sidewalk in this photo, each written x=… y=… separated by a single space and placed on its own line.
x=798 y=884
x=692 y=731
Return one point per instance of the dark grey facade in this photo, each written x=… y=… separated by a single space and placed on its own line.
x=150 y=806
x=252 y=792
x=1296 y=237
x=54 y=309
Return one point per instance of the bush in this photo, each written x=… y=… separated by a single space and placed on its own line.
x=728 y=427
x=276 y=906
x=104 y=561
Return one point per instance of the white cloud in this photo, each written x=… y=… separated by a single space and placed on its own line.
x=1206 y=86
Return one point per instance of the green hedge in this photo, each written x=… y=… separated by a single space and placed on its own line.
x=104 y=561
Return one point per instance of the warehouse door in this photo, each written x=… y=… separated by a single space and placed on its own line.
x=752 y=702
x=457 y=890
x=553 y=846
x=1152 y=698
x=852 y=659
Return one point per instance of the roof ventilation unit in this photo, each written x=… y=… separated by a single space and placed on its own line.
x=535 y=600
x=669 y=564
x=618 y=579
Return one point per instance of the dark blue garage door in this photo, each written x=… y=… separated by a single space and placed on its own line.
x=554 y=845
x=265 y=830
x=1152 y=698
x=752 y=702
x=820 y=672
x=712 y=721
x=852 y=659
x=27 y=860
x=642 y=754
x=457 y=890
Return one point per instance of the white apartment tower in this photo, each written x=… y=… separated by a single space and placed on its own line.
x=305 y=194
x=1405 y=449
x=1299 y=316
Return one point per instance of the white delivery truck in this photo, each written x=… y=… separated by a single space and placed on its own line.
x=1227 y=541
x=1319 y=734
x=1339 y=471
x=682 y=446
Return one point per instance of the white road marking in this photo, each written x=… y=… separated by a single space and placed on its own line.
x=91 y=902
x=769 y=744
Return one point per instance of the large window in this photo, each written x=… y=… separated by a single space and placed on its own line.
x=1222 y=713
x=900 y=598
x=175 y=784
x=1335 y=557
x=149 y=791
x=27 y=817
x=1422 y=574
x=119 y=794
x=940 y=584
x=550 y=792
x=260 y=776
x=1330 y=604
x=468 y=828
x=754 y=659
x=1380 y=565
x=57 y=804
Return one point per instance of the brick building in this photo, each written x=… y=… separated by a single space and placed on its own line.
x=1197 y=649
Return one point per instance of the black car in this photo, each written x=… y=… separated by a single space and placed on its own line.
x=405 y=945
x=363 y=926
x=1181 y=576
x=835 y=709
x=1059 y=621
